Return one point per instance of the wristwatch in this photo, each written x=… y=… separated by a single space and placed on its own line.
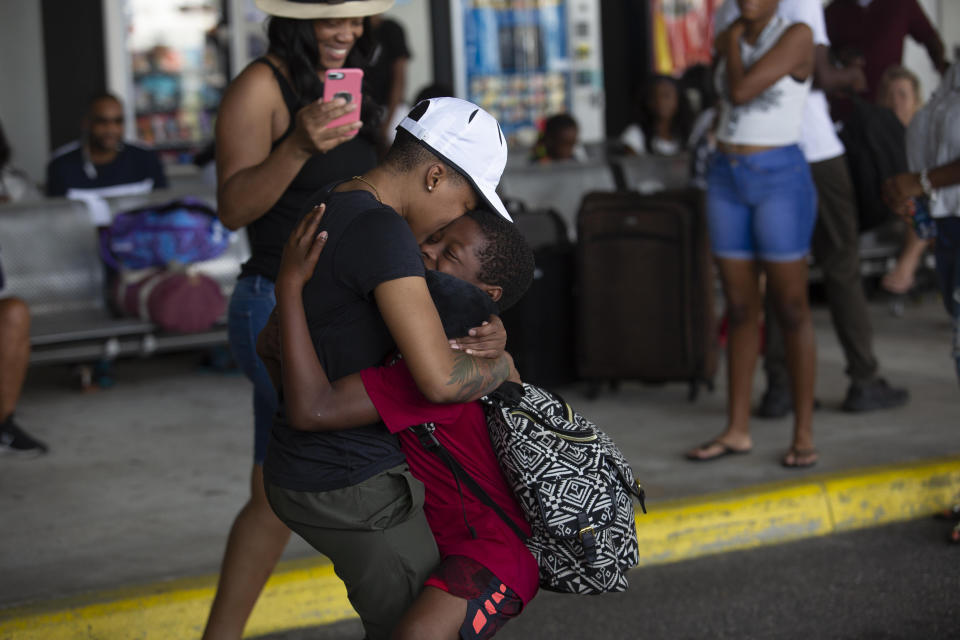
x=926 y=185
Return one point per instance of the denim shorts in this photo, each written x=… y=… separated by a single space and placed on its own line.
x=761 y=206
x=250 y=307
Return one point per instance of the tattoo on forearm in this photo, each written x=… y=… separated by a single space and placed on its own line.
x=477 y=377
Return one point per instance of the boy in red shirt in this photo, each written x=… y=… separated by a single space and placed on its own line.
x=486 y=574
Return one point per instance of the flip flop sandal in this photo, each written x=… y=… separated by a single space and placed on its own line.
x=725 y=450
x=799 y=454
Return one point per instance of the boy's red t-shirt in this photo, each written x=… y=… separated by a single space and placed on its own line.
x=462 y=429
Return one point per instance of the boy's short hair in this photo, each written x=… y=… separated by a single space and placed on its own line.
x=506 y=260
x=406 y=154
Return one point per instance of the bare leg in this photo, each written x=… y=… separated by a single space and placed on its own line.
x=742 y=291
x=14 y=352
x=901 y=277
x=434 y=615
x=256 y=541
x=788 y=287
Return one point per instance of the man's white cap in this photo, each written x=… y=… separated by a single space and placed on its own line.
x=466 y=137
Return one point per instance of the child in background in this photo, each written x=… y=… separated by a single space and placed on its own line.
x=559 y=141
x=900 y=92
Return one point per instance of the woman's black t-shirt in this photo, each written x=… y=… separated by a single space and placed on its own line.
x=369 y=243
x=268 y=233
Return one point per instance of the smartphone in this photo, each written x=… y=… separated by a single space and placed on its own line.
x=344 y=83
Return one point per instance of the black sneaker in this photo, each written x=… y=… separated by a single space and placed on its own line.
x=777 y=402
x=14 y=441
x=873 y=394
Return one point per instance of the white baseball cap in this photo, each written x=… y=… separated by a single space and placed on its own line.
x=466 y=137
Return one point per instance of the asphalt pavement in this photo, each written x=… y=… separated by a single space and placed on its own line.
x=898 y=582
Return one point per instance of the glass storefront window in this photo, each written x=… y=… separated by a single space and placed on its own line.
x=178 y=59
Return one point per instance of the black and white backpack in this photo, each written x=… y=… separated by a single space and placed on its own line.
x=572 y=482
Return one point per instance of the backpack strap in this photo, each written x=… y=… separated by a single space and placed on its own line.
x=425 y=433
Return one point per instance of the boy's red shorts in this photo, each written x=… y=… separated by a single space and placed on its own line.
x=490 y=603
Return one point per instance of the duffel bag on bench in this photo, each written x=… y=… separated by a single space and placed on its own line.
x=175 y=299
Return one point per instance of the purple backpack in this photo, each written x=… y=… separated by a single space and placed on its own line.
x=182 y=231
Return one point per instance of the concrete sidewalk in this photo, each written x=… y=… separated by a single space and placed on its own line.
x=145 y=479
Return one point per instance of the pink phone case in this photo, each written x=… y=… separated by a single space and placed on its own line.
x=344 y=83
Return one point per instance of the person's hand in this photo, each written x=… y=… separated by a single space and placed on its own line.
x=486 y=341
x=311 y=132
x=858 y=79
x=721 y=42
x=850 y=57
x=737 y=28
x=302 y=251
x=728 y=36
x=899 y=189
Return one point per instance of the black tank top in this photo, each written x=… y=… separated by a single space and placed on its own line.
x=269 y=232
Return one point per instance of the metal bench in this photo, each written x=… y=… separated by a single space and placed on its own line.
x=49 y=252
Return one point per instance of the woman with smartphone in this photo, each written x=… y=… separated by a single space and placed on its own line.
x=761 y=209
x=275 y=146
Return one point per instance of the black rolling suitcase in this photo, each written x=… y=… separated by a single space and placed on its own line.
x=540 y=327
x=645 y=283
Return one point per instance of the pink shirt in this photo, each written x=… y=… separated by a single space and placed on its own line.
x=462 y=429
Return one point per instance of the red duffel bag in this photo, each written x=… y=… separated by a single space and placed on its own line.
x=174 y=299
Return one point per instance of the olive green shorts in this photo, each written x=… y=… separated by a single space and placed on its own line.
x=375 y=534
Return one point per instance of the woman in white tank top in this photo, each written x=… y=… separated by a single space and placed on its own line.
x=761 y=209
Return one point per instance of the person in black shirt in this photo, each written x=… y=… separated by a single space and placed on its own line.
x=274 y=149
x=349 y=493
x=101 y=162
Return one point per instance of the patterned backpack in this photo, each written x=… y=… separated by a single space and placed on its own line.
x=573 y=485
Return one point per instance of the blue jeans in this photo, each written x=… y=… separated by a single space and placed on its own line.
x=250 y=307
x=947 y=252
x=761 y=206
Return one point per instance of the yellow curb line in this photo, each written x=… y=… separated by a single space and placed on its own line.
x=307 y=593
x=814 y=506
